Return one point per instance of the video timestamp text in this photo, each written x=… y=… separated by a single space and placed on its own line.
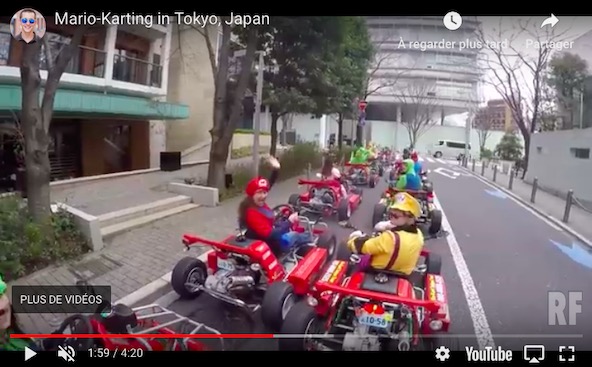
x=116 y=353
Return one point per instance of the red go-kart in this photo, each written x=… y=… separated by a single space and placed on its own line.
x=369 y=310
x=324 y=198
x=361 y=174
x=122 y=319
x=239 y=270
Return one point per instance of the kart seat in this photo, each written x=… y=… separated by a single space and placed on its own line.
x=240 y=241
x=371 y=283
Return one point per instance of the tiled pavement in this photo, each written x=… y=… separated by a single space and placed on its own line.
x=138 y=257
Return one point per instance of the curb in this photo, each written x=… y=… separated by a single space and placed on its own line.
x=549 y=217
x=153 y=287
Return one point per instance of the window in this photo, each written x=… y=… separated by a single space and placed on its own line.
x=5 y=39
x=452 y=144
x=581 y=153
x=156 y=72
x=218 y=45
x=441 y=142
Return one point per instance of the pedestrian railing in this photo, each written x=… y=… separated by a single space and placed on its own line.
x=570 y=199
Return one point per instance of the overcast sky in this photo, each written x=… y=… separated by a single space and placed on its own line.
x=568 y=27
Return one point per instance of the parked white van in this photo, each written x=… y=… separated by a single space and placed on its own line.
x=449 y=149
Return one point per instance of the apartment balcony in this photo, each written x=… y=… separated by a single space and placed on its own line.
x=112 y=66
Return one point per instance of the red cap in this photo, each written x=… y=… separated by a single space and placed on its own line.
x=414 y=156
x=255 y=185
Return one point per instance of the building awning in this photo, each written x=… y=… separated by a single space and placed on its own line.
x=75 y=103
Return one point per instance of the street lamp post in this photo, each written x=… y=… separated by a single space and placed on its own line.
x=257 y=117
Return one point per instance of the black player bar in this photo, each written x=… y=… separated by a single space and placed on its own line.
x=551 y=358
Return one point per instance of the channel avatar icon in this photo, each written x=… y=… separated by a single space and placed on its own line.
x=27 y=25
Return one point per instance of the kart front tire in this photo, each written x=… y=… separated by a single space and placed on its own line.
x=372 y=181
x=378 y=214
x=273 y=311
x=434 y=264
x=294 y=200
x=300 y=320
x=188 y=268
x=343 y=210
x=328 y=241
x=435 y=222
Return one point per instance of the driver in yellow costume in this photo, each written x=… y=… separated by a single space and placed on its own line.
x=399 y=246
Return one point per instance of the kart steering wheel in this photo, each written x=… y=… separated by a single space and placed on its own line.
x=78 y=324
x=283 y=211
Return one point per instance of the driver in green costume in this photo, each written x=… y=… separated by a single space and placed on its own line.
x=9 y=326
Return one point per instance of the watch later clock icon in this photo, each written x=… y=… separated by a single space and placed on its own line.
x=452 y=20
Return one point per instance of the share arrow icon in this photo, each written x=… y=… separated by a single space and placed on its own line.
x=552 y=20
x=29 y=353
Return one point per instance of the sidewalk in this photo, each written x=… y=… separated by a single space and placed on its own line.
x=111 y=194
x=143 y=255
x=550 y=205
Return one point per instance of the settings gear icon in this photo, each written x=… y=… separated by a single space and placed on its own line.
x=442 y=353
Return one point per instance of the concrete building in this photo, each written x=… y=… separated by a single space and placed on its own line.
x=496 y=116
x=418 y=74
x=109 y=112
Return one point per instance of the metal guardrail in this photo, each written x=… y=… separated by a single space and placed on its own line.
x=570 y=200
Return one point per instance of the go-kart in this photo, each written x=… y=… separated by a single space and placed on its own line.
x=324 y=198
x=429 y=214
x=239 y=270
x=361 y=174
x=370 y=310
x=122 y=319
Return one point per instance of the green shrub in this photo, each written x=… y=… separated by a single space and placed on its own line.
x=294 y=162
x=246 y=152
x=249 y=131
x=486 y=153
x=26 y=247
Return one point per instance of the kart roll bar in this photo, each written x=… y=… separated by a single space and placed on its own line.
x=326 y=183
x=190 y=240
x=432 y=306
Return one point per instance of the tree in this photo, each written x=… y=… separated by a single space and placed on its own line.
x=549 y=119
x=36 y=117
x=229 y=92
x=509 y=148
x=567 y=73
x=418 y=96
x=350 y=73
x=482 y=124
x=518 y=74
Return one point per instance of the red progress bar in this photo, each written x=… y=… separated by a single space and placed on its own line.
x=143 y=336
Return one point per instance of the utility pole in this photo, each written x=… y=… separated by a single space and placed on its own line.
x=257 y=117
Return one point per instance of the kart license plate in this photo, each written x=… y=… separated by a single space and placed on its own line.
x=377 y=321
x=225 y=265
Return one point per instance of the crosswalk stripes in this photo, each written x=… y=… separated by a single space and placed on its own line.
x=443 y=161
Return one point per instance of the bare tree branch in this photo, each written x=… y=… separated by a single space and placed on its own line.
x=211 y=49
x=420 y=99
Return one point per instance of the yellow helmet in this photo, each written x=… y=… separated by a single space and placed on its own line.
x=406 y=203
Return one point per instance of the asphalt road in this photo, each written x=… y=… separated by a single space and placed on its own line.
x=500 y=261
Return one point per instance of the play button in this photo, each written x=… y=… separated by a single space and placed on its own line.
x=29 y=353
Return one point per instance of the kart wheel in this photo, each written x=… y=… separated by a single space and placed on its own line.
x=342 y=253
x=434 y=264
x=378 y=214
x=372 y=181
x=328 y=241
x=277 y=302
x=294 y=200
x=381 y=172
x=188 y=270
x=435 y=222
x=300 y=320
x=343 y=210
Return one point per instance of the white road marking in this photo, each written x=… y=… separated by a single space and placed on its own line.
x=420 y=159
x=430 y=160
x=482 y=329
x=440 y=161
x=446 y=172
x=525 y=207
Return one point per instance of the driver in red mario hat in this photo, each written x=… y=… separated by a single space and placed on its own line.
x=259 y=220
